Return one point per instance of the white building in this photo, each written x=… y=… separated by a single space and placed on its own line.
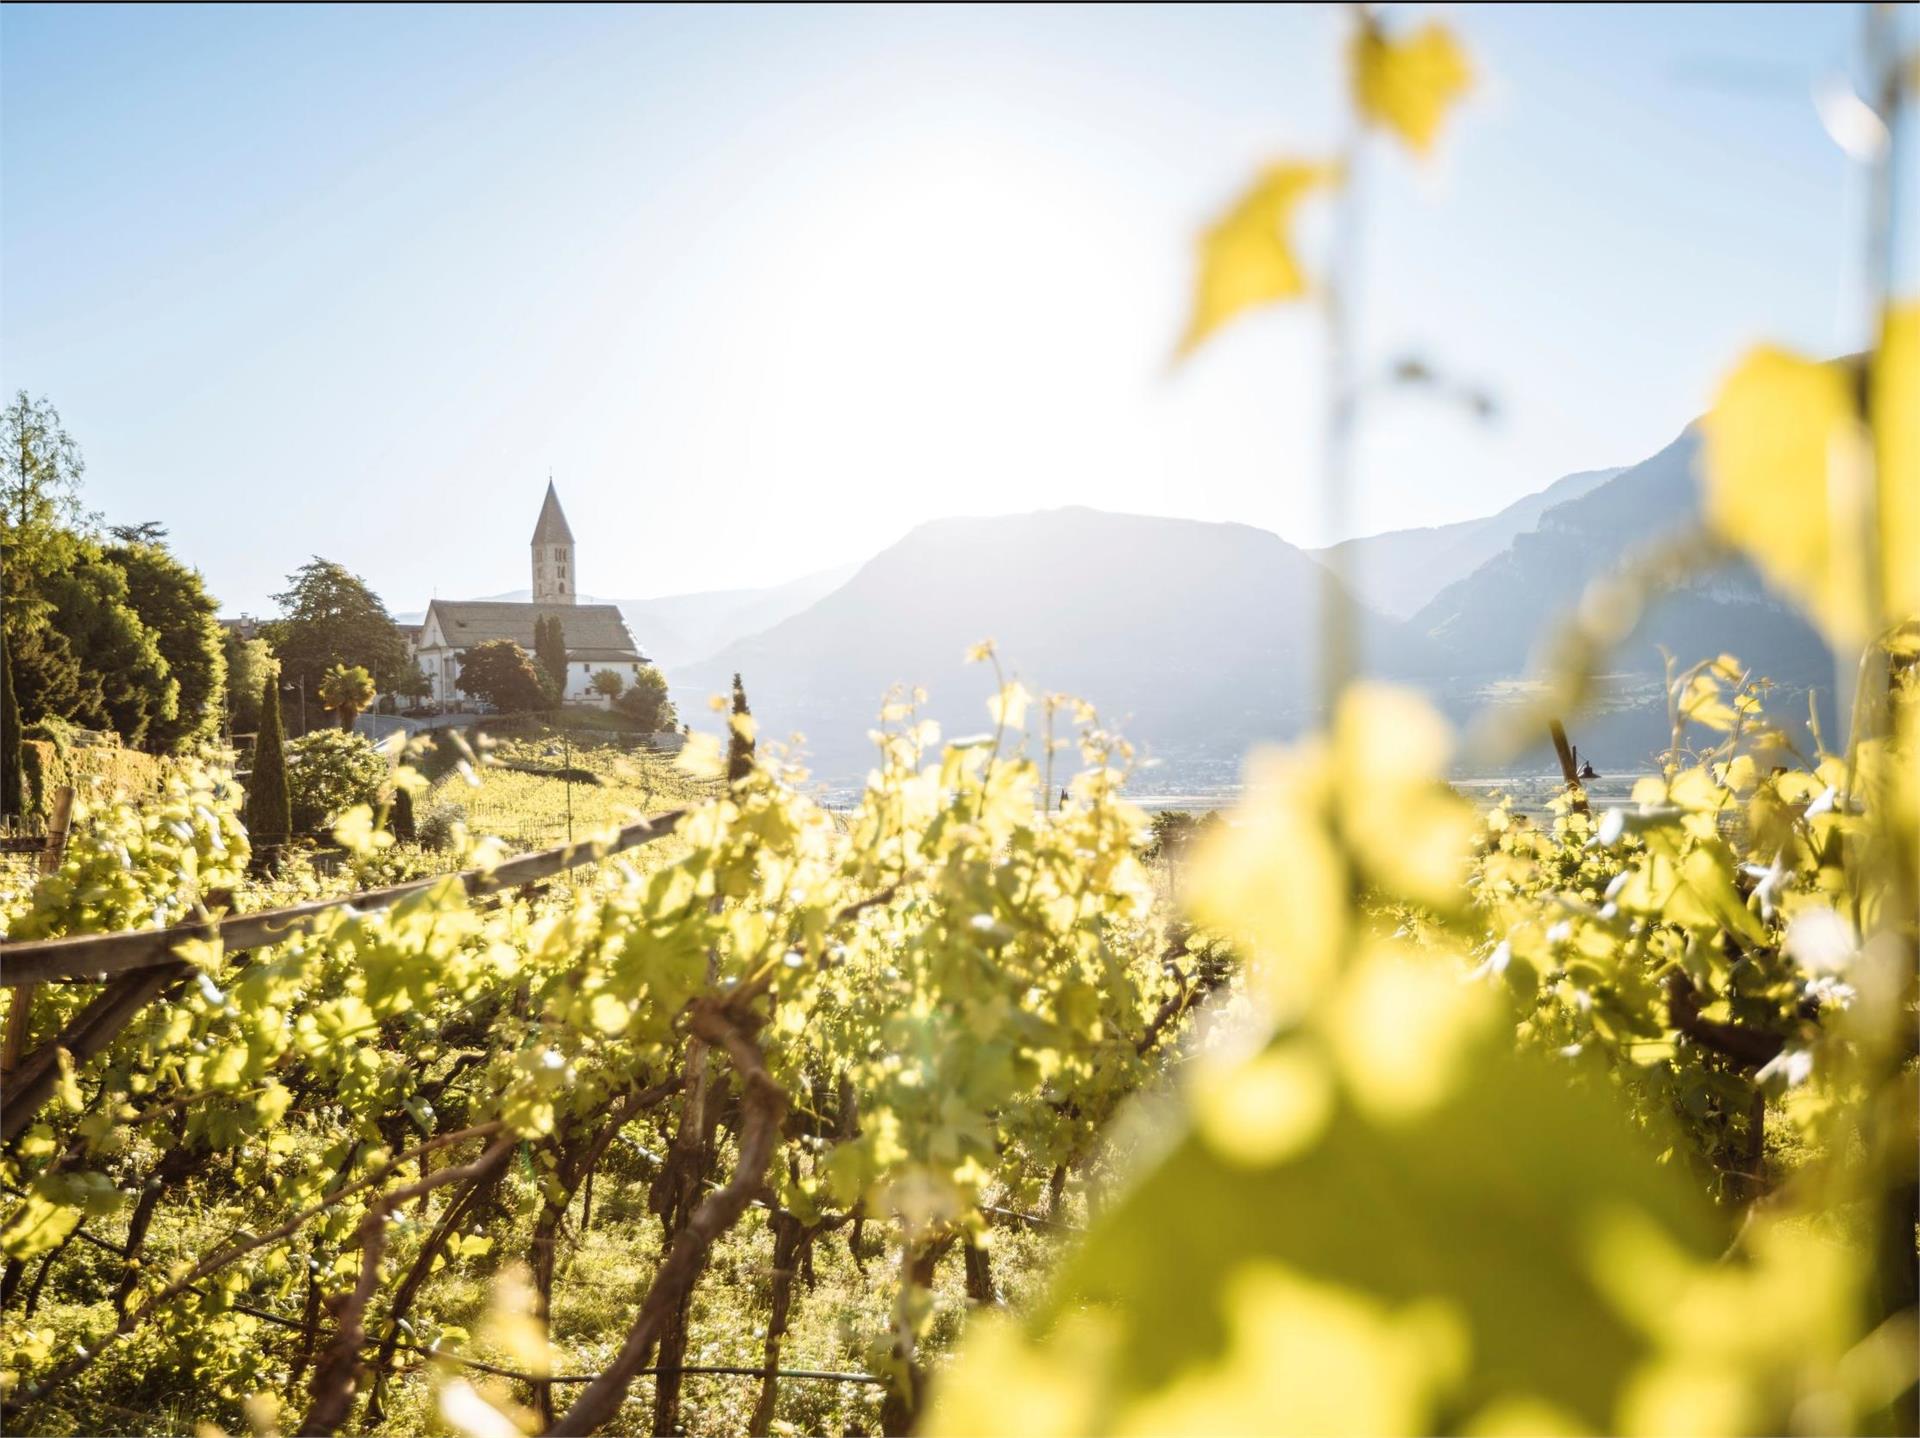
x=596 y=634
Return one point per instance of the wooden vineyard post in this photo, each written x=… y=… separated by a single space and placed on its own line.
x=50 y=857
x=1568 y=772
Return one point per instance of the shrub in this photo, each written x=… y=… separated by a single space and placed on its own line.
x=328 y=772
x=436 y=829
x=51 y=757
x=646 y=704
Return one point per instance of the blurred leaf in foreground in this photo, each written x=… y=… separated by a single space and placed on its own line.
x=1895 y=401
x=1395 y=1277
x=1246 y=256
x=1782 y=447
x=1409 y=85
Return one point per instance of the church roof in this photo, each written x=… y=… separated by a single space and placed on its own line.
x=596 y=627
x=552 y=526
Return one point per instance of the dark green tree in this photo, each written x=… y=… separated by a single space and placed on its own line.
x=12 y=789
x=503 y=674
x=128 y=685
x=269 y=812
x=47 y=681
x=645 y=703
x=400 y=817
x=172 y=600
x=740 y=737
x=149 y=531
x=550 y=648
x=329 y=617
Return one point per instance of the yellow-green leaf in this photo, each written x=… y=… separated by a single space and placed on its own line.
x=1246 y=256
x=1896 y=435
x=1782 y=434
x=1407 y=86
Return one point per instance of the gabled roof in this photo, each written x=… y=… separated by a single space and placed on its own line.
x=552 y=526
x=596 y=627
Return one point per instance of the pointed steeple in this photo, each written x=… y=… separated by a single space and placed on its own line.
x=552 y=526
x=554 y=576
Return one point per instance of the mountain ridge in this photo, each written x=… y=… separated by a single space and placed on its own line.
x=1399 y=570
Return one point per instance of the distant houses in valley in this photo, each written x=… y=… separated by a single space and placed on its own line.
x=596 y=635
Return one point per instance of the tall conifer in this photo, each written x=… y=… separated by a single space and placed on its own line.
x=269 y=812
x=739 y=735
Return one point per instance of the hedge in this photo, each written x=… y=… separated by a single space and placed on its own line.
x=48 y=763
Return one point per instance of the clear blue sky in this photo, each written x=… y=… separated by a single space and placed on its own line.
x=765 y=288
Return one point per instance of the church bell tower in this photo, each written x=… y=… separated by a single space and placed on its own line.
x=553 y=572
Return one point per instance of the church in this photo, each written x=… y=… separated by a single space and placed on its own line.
x=596 y=634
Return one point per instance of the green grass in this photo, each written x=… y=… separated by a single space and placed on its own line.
x=530 y=810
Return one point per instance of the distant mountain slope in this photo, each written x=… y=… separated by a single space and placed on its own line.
x=1197 y=638
x=1401 y=570
x=691 y=627
x=674 y=629
x=1490 y=623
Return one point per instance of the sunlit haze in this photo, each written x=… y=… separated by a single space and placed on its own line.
x=783 y=284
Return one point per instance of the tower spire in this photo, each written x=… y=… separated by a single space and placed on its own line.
x=554 y=576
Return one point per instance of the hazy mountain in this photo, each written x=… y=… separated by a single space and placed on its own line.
x=1489 y=624
x=1399 y=571
x=674 y=629
x=1194 y=638
x=679 y=629
x=1198 y=639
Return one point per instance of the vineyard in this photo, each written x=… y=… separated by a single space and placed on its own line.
x=641 y=1093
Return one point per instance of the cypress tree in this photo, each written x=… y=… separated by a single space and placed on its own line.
x=12 y=789
x=739 y=736
x=400 y=817
x=550 y=648
x=268 y=809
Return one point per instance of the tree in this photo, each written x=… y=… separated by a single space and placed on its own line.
x=550 y=648
x=607 y=683
x=646 y=702
x=42 y=528
x=329 y=617
x=502 y=673
x=40 y=469
x=46 y=674
x=172 y=601
x=739 y=735
x=250 y=664
x=400 y=816
x=128 y=686
x=347 y=690
x=269 y=813
x=413 y=683
x=148 y=532
x=12 y=789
